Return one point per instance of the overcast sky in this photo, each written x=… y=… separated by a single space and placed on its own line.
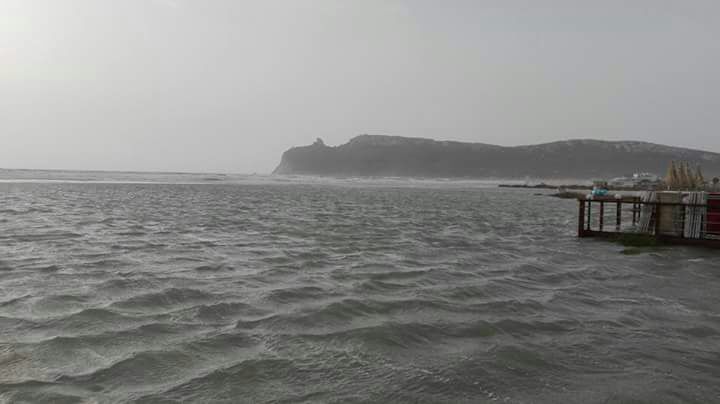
x=228 y=85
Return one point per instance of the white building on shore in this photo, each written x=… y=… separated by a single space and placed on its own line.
x=638 y=180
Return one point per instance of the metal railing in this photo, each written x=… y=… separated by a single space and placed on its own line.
x=670 y=221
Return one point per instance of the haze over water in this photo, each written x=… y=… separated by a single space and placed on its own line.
x=176 y=288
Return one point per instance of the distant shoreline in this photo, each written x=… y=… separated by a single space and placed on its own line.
x=575 y=187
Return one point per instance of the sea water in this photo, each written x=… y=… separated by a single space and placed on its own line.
x=131 y=287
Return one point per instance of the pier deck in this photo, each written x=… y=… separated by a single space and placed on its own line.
x=667 y=222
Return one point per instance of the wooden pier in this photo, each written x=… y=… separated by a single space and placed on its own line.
x=667 y=222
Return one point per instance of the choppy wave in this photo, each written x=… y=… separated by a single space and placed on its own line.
x=238 y=289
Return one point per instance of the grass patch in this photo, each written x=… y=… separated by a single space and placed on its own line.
x=638 y=240
x=637 y=243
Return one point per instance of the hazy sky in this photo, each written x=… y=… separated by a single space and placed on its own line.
x=203 y=85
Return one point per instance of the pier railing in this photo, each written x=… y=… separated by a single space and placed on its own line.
x=674 y=222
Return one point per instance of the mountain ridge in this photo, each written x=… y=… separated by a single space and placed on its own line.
x=383 y=155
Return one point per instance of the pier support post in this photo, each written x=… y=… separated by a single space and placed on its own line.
x=588 y=225
x=636 y=208
x=581 y=218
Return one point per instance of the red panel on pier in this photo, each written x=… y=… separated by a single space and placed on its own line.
x=713 y=216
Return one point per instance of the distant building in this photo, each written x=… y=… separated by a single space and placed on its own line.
x=637 y=180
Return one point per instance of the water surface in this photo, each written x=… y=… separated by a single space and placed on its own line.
x=178 y=288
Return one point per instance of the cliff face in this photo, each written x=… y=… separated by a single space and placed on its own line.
x=367 y=155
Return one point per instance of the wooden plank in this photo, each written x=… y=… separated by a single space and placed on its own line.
x=682 y=224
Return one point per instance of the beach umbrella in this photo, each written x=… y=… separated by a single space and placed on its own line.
x=671 y=176
x=688 y=179
x=699 y=178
